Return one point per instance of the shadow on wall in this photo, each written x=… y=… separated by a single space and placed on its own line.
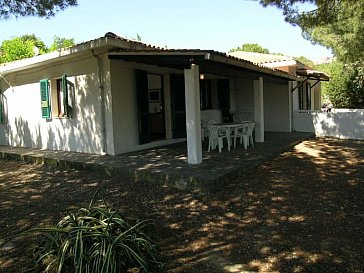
x=80 y=133
x=347 y=125
x=23 y=135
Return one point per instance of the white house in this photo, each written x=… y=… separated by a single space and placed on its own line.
x=112 y=95
x=307 y=95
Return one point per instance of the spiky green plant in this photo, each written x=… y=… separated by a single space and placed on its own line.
x=97 y=239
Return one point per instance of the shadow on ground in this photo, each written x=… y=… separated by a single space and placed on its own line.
x=302 y=212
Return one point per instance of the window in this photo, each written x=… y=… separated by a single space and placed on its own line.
x=45 y=101
x=223 y=94
x=300 y=97
x=304 y=96
x=154 y=95
x=308 y=95
x=57 y=97
x=205 y=94
x=2 y=108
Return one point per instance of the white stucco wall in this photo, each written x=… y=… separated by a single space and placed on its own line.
x=276 y=107
x=26 y=128
x=340 y=124
x=124 y=103
x=244 y=95
x=211 y=114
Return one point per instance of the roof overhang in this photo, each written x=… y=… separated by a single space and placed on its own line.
x=97 y=46
x=209 y=61
x=313 y=74
x=275 y=64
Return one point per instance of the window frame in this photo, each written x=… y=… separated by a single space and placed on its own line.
x=56 y=97
x=2 y=108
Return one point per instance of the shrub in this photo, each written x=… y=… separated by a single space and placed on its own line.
x=97 y=239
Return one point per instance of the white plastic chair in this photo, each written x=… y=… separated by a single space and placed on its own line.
x=204 y=132
x=216 y=134
x=250 y=133
x=242 y=132
x=236 y=119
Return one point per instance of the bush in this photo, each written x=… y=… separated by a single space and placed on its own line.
x=346 y=86
x=98 y=239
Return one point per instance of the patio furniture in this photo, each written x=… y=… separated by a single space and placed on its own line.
x=242 y=131
x=236 y=119
x=250 y=133
x=211 y=121
x=229 y=130
x=204 y=131
x=216 y=136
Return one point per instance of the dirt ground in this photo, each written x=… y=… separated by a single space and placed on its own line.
x=301 y=212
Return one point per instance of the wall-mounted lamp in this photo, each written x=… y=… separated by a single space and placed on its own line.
x=202 y=76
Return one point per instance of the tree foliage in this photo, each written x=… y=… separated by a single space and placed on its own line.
x=306 y=61
x=339 y=25
x=37 y=42
x=29 y=45
x=336 y=24
x=40 y=8
x=16 y=49
x=250 y=47
x=346 y=86
x=59 y=43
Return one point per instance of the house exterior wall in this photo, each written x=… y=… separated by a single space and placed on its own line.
x=25 y=126
x=316 y=102
x=125 y=109
x=276 y=107
x=244 y=97
x=124 y=105
x=342 y=123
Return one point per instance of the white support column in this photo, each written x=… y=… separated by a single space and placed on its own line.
x=193 y=115
x=167 y=106
x=259 y=109
x=290 y=105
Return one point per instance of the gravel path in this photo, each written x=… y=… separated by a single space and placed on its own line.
x=302 y=212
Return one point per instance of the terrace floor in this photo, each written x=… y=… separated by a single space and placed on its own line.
x=167 y=165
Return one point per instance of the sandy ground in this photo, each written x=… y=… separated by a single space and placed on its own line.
x=301 y=212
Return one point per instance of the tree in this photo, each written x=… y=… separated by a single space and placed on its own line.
x=336 y=24
x=15 y=49
x=339 y=25
x=41 y=8
x=251 y=48
x=59 y=43
x=37 y=42
x=29 y=45
x=21 y=47
x=346 y=86
x=306 y=61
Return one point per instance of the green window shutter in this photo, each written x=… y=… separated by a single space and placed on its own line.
x=2 y=112
x=44 y=95
x=66 y=103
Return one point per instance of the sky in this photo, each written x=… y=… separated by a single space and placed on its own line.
x=194 y=24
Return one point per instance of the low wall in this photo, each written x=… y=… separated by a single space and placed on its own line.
x=341 y=123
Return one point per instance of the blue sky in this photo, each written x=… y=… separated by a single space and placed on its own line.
x=204 y=24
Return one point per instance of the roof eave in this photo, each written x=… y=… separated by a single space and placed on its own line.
x=251 y=66
x=99 y=44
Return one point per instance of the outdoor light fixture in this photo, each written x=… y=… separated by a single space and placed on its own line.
x=202 y=76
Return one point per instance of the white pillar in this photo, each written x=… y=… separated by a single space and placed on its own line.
x=167 y=106
x=259 y=109
x=193 y=115
x=295 y=97
x=312 y=99
x=290 y=105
